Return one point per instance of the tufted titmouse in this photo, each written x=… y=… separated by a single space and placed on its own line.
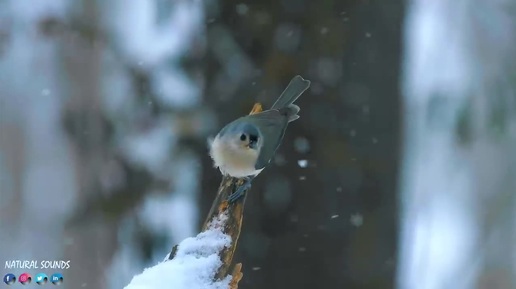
x=246 y=145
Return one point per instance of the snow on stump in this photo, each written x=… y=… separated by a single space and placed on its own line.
x=194 y=266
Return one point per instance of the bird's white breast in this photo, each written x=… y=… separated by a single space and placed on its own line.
x=232 y=159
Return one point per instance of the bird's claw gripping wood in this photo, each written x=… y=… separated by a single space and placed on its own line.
x=241 y=190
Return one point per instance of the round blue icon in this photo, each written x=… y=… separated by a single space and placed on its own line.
x=56 y=279
x=41 y=279
x=9 y=279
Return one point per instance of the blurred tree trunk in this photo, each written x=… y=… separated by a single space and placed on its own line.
x=458 y=201
x=37 y=185
x=93 y=242
x=350 y=50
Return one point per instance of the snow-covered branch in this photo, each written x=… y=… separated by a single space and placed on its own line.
x=195 y=264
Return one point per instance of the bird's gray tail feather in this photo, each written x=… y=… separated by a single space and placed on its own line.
x=295 y=88
x=291 y=111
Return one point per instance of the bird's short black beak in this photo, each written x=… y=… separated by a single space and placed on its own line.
x=252 y=144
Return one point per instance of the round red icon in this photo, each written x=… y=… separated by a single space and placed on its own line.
x=25 y=278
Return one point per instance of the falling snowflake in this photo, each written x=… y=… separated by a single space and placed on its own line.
x=242 y=9
x=302 y=163
x=301 y=145
x=356 y=220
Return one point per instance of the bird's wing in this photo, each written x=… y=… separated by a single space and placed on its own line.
x=272 y=124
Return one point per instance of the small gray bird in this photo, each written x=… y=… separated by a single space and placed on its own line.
x=245 y=146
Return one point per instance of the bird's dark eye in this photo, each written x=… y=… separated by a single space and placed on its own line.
x=243 y=137
x=253 y=138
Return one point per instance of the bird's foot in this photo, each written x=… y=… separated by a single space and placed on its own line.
x=241 y=190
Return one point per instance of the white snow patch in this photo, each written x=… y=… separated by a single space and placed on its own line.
x=175 y=89
x=150 y=148
x=38 y=10
x=194 y=265
x=148 y=42
x=178 y=206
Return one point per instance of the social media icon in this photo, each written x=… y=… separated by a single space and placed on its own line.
x=56 y=279
x=41 y=279
x=25 y=278
x=9 y=279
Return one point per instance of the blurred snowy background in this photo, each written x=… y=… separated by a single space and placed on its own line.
x=399 y=173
